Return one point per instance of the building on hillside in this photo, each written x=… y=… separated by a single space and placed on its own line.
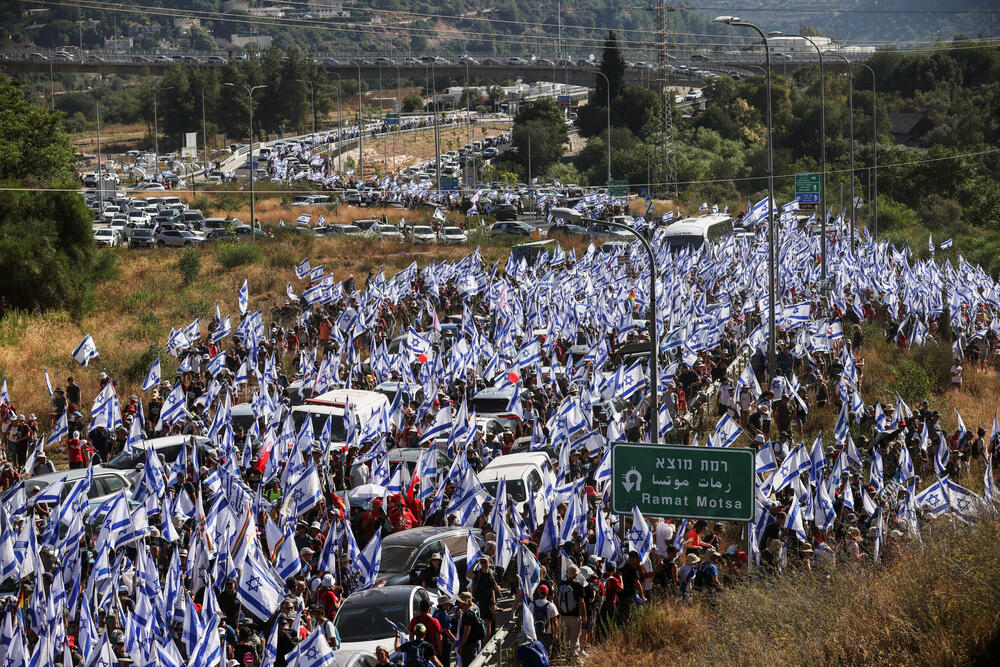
x=793 y=45
x=184 y=24
x=235 y=6
x=118 y=43
x=270 y=11
x=327 y=9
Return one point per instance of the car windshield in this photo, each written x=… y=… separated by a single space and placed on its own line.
x=452 y=230
x=681 y=242
x=422 y=230
x=339 y=433
x=489 y=406
x=515 y=489
x=386 y=228
x=364 y=622
x=395 y=557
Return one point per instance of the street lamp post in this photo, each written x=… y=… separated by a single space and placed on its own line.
x=822 y=151
x=437 y=132
x=771 y=231
x=361 y=134
x=874 y=181
x=156 y=128
x=608 y=91
x=250 y=92
x=850 y=105
x=340 y=127
x=654 y=340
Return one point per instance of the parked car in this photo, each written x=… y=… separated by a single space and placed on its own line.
x=514 y=228
x=406 y=553
x=524 y=475
x=142 y=238
x=107 y=237
x=504 y=212
x=177 y=238
x=422 y=234
x=106 y=483
x=452 y=235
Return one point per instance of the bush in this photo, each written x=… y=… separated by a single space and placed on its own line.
x=189 y=266
x=281 y=257
x=203 y=204
x=912 y=381
x=935 y=361
x=239 y=254
x=139 y=366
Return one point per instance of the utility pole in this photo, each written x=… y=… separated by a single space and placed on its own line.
x=662 y=79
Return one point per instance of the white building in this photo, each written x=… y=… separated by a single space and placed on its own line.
x=327 y=9
x=790 y=45
x=246 y=39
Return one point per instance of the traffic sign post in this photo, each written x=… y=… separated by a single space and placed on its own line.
x=807 y=188
x=713 y=483
x=392 y=119
x=618 y=189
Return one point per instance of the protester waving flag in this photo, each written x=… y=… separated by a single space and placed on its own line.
x=86 y=350
x=153 y=377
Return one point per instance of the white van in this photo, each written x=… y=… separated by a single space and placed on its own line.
x=694 y=232
x=333 y=404
x=169 y=202
x=525 y=475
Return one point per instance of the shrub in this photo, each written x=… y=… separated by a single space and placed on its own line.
x=281 y=257
x=136 y=370
x=239 y=254
x=189 y=266
x=935 y=360
x=912 y=381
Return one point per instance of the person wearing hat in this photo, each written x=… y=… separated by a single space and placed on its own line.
x=854 y=540
x=442 y=614
x=572 y=608
x=428 y=575
x=978 y=450
x=41 y=465
x=686 y=574
x=484 y=588
x=327 y=595
x=471 y=629
x=58 y=403
x=544 y=616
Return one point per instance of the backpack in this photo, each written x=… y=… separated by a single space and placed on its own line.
x=477 y=631
x=538 y=651
x=541 y=617
x=702 y=580
x=415 y=655
x=567 y=598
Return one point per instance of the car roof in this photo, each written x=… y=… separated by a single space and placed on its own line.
x=523 y=460
x=382 y=595
x=421 y=534
x=40 y=481
x=696 y=226
x=494 y=392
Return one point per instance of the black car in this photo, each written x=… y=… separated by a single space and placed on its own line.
x=406 y=553
x=504 y=212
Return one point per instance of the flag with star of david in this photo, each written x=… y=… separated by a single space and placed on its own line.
x=260 y=589
x=314 y=651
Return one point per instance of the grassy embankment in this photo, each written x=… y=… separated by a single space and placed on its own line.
x=935 y=604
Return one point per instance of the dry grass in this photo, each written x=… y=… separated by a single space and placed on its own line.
x=936 y=603
x=136 y=311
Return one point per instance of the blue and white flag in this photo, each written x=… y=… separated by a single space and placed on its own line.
x=945 y=245
x=793 y=521
x=302 y=269
x=727 y=430
x=640 y=538
x=243 y=297
x=369 y=561
x=4 y=396
x=153 y=377
x=313 y=651
x=260 y=590
x=448 y=582
x=85 y=351
x=48 y=382
x=303 y=219
x=60 y=430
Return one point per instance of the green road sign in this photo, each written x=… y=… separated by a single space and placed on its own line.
x=712 y=483
x=618 y=189
x=807 y=188
x=392 y=119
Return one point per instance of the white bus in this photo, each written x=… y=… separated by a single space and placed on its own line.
x=693 y=232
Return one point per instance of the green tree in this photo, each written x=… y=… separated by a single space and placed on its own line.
x=412 y=102
x=201 y=39
x=540 y=131
x=46 y=247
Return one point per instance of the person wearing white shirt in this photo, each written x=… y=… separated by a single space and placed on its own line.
x=663 y=534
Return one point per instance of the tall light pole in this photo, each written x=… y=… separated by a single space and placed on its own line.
x=874 y=197
x=608 y=91
x=204 y=136
x=850 y=99
x=156 y=128
x=100 y=170
x=771 y=231
x=312 y=104
x=250 y=92
x=361 y=134
x=822 y=153
x=437 y=132
x=340 y=127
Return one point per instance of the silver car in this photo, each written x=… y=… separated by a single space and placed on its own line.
x=422 y=234
x=107 y=237
x=386 y=232
x=106 y=483
x=177 y=238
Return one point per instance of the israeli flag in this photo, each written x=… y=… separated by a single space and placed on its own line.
x=4 y=396
x=438 y=215
x=448 y=582
x=85 y=351
x=60 y=430
x=727 y=430
x=244 y=298
x=369 y=561
x=321 y=222
x=945 y=245
x=260 y=590
x=48 y=382
x=640 y=538
x=153 y=377
x=302 y=269
x=303 y=219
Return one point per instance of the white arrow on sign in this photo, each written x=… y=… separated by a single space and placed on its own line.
x=628 y=484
